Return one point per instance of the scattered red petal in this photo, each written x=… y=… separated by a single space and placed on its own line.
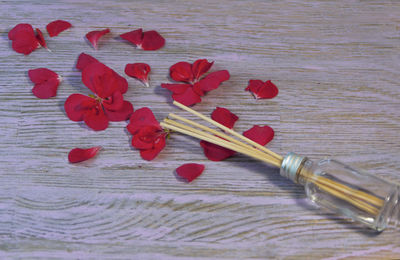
x=139 y=71
x=181 y=71
x=121 y=114
x=23 y=38
x=215 y=152
x=224 y=117
x=148 y=41
x=260 y=134
x=96 y=119
x=100 y=79
x=190 y=171
x=56 y=27
x=176 y=88
x=94 y=36
x=150 y=154
x=150 y=140
x=187 y=98
x=77 y=106
x=200 y=67
x=46 y=82
x=213 y=80
x=79 y=155
x=262 y=90
x=40 y=38
x=141 y=118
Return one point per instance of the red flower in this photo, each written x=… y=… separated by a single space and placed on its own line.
x=195 y=87
x=79 y=155
x=106 y=105
x=46 y=82
x=190 y=171
x=23 y=38
x=56 y=27
x=148 y=41
x=148 y=135
x=94 y=36
x=262 y=90
x=215 y=152
x=139 y=71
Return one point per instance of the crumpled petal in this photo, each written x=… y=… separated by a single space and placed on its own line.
x=139 y=71
x=77 y=105
x=40 y=38
x=85 y=60
x=187 y=98
x=262 y=90
x=152 y=41
x=224 y=117
x=190 y=171
x=181 y=71
x=100 y=79
x=141 y=118
x=150 y=154
x=215 y=152
x=176 y=88
x=23 y=38
x=260 y=134
x=79 y=155
x=46 y=82
x=213 y=80
x=121 y=114
x=200 y=67
x=96 y=119
x=94 y=36
x=145 y=137
x=56 y=27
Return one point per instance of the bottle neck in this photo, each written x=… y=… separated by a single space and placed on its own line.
x=291 y=166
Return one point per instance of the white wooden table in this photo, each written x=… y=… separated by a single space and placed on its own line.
x=336 y=64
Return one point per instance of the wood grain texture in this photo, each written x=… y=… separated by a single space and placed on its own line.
x=336 y=64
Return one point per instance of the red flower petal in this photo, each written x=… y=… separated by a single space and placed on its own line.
x=77 y=105
x=145 y=137
x=213 y=80
x=176 y=88
x=150 y=154
x=100 y=79
x=187 y=98
x=122 y=114
x=261 y=90
x=113 y=102
x=190 y=171
x=200 y=67
x=134 y=37
x=181 y=71
x=23 y=38
x=79 y=155
x=260 y=134
x=56 y=27
x=94 y=36
x=152 y=41
x=224 y=117
x=40 y=38
x=139 y=71
x=141 y=118
x=85 y=60
x=46 y=82
x=96 y=119
x=215 y=152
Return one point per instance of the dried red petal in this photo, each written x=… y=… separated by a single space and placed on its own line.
x=23 y=38
x=40 y=38
x=79 y=155
x=224 y=117
x=215 y=152
x=262 y=90
x=152 y=41
x=141 y=118
x=190 y=171
x=85 y=60
x=260 y=134
x=181 y=71
x=187 y=98
x=56 y=27
x=148 y=41
x=46 y=82
x=100 y=79
x=200 y=67
x=94 y=36
x=77 y=105
x=96 y=119
x=139 y=71
x=213 y=80
x=121 y=114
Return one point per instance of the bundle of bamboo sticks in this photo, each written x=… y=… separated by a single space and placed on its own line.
x=239 y=143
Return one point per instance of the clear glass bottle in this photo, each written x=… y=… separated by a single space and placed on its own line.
x=340 y=188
